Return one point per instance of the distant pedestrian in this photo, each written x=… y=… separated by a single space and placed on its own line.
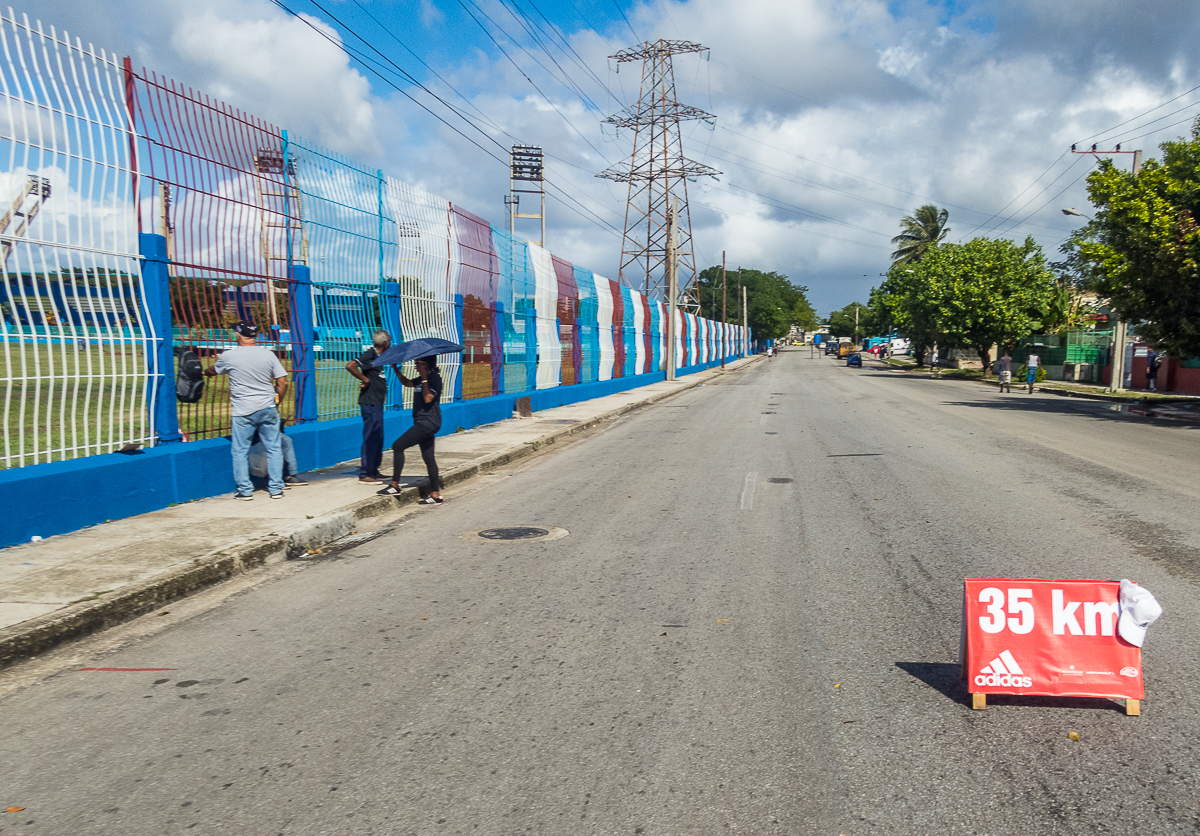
x=1153 y=362
x=934 y=369
x=1006 y=373
x=427 y=420
x=257 y=381
x=1031 y=367
x=372 y=397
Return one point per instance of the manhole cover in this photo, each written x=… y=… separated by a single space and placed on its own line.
x=521 y=533
x=517 y=533
x=781 y=481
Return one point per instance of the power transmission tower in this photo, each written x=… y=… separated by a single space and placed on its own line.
x=657 y=172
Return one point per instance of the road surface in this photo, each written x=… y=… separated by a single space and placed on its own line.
x=751 y=627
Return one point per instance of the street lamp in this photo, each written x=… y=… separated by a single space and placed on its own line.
x=1076 y=213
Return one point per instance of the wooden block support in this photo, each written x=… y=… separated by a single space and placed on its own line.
x=1133 y=708
x=979 y=701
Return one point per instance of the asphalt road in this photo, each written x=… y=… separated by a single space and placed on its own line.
x=751 y=627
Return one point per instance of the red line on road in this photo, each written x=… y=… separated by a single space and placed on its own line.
x=127 y=669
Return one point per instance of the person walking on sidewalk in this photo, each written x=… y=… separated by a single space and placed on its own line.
x=372 y=396
x=257 y=381
x=427 y=420
x=1153 y=363
x=1031 y=366
x=1006 y=373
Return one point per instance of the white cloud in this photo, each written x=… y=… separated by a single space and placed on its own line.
x=282 y=68
x=848 y=109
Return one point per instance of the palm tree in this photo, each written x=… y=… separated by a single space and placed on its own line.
x=923 y=229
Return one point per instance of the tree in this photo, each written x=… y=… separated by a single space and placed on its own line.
x=854 y=318
x=1145 y=247
x=923 y=230
x=984 y=292
x=773 y=303
x=908 y=307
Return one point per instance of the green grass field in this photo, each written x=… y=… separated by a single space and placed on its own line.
x=61 y=402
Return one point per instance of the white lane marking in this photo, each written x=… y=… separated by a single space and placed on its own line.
x=748 y=492
x=762 y=418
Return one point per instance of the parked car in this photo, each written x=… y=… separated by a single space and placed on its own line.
x=900 y=345
x=855 y=359
x=831 y=348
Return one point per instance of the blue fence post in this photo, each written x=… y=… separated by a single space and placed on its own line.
x=531 y=349
x=304 y=377
x=498 y=365
x=391 y=324
x=156 y=287
x=462 y=366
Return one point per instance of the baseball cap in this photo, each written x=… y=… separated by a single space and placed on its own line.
x=247 y=329
x=1139 y=609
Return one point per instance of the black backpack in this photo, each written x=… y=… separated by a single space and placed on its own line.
x=189 y=382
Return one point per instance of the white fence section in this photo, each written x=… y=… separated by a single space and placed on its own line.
x=545 y=302
x=77 y=348
x=421 y=263
x=608 y=352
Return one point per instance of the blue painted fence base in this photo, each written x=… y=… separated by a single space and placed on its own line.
x=60 y=497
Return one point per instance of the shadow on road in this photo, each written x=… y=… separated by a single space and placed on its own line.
x=947 y=679
x=940 y=676
x=1097 y=410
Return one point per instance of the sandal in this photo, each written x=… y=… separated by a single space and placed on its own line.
x=390 y=490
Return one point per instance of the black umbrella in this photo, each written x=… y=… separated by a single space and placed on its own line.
x=411 y=350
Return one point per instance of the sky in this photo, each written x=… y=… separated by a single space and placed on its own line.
x=834 y=118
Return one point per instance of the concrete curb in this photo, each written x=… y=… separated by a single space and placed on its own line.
x=1132 y=400
x=37 y=635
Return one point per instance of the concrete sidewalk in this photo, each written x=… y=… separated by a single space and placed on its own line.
x=73 y=584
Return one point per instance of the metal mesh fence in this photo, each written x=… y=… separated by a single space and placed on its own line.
x=218 y=185
x=78 y=354
x=317 y=250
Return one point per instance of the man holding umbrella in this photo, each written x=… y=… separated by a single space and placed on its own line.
x=426 y=410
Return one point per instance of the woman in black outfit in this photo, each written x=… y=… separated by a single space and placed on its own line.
x=427 y=420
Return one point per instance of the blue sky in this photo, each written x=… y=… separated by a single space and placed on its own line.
x=834 y=117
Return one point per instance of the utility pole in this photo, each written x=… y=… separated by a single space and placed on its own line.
x=672 y=288
x=856 y=323
x=724 y=309
x=1117 y=382
x=744 y=326
x=741 y=289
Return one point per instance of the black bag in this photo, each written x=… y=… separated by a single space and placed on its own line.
x=189 y=382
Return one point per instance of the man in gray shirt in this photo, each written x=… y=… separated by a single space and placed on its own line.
x=256 y=382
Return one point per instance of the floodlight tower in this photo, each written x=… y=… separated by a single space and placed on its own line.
x=526 y=176
x=657 y=173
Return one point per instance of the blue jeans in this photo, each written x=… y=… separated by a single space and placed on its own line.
x=372 y=443
x=266 y=423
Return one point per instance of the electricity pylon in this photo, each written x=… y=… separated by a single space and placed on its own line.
x=656 y=172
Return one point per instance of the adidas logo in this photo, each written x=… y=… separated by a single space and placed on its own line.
x=1003 y=672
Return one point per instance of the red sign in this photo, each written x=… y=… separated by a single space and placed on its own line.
x=1057 y=638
